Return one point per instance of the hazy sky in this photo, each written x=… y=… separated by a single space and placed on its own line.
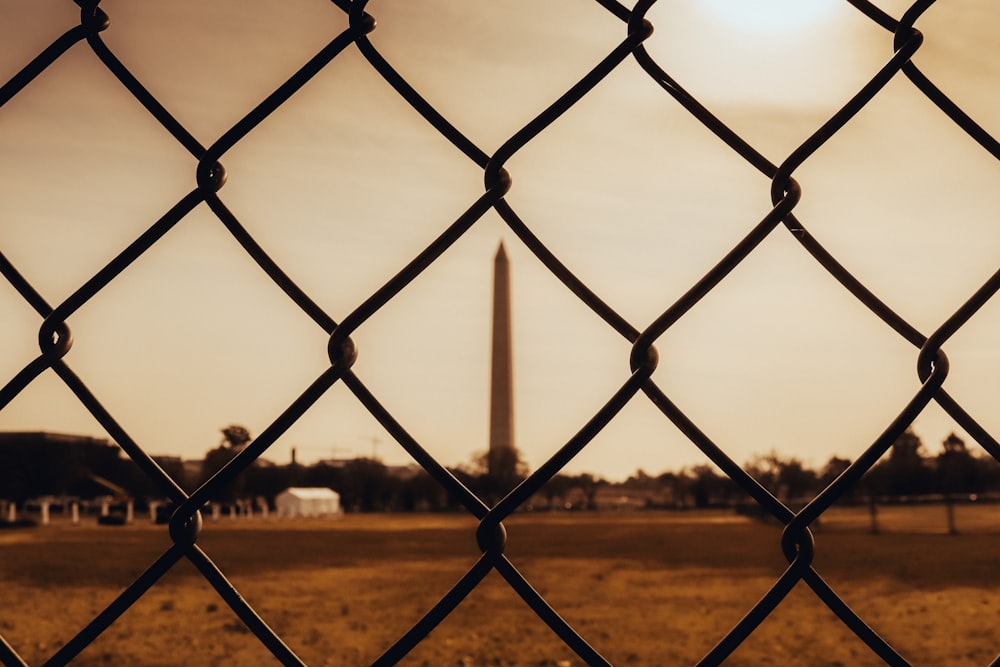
x=346 y=183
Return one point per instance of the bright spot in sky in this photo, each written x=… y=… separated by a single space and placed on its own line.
x=770 y=16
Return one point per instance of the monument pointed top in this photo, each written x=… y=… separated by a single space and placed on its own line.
x=501 y=444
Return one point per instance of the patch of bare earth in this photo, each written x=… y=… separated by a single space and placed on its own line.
x=342 y=594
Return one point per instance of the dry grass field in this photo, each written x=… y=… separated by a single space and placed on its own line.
x=644 y=589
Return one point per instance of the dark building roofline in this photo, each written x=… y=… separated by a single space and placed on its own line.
x=7 y=437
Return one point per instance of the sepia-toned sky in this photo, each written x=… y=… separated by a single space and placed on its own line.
x=345 y=184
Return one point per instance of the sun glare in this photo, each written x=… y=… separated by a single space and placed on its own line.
x=770 y=17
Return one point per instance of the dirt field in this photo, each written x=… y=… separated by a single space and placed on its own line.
x=643 y=589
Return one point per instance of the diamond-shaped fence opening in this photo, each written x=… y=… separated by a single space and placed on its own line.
x=385 y=159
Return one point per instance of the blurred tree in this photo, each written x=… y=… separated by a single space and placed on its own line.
x=958 y=471
x=788 y=479
x=708 y=488
x=907 y=446
x=264 y=479
x=556 y=490
x=491 y=488
x=365 y=485
x=833 y=469
x=589 y=486
x=906 y=471
x=507 y=463
x=174 y=466
x=421 y=492
x=989 y=473
x=671 y=487
x=234 y=439
x=765 y=468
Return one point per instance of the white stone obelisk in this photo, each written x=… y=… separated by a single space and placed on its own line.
x=501 y=454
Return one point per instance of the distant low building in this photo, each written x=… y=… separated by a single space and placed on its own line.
x=40 y=438
x=307 y=502
x=38 y=463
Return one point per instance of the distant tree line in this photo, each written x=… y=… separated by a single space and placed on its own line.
x=87 y=468
x=906 y=472
x=35 y=465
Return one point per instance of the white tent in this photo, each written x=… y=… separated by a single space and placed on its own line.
x=303 y=501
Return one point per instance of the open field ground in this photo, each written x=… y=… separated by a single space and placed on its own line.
x=644 y=589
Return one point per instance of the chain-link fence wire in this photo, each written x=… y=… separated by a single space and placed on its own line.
x=55 y=338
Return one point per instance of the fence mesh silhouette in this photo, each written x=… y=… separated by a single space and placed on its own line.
x=797 y=544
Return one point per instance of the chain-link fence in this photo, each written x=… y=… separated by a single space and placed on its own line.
x=903 y=41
